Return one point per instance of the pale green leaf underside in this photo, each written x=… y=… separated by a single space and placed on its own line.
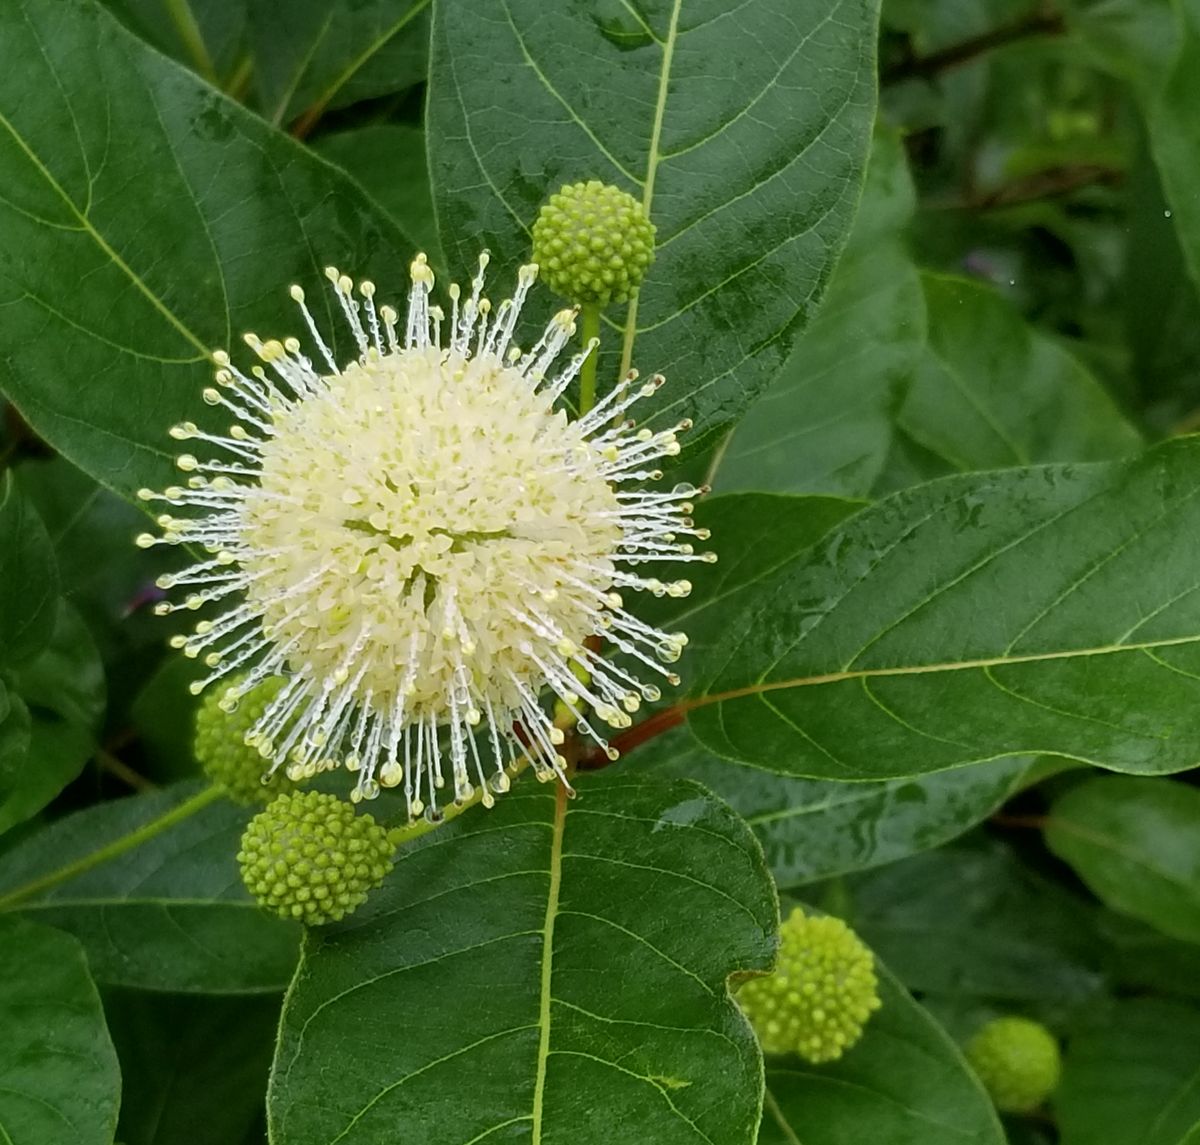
x=813 y=829
x=539 y=975
x=1053 y=609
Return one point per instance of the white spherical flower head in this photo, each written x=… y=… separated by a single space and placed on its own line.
x=421 y=545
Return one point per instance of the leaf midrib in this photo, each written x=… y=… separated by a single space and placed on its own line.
x=545 y=995
x=652 y=161
x=763 y=686
x=86 y=225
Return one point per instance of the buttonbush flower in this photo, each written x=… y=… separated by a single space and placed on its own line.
x=821 y=995
x=593 y=242
x=1018 y=1062
x=308 y=856
x=220 y=745
x=419 y=543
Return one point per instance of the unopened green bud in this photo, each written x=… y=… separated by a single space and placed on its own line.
x=593 y=243
x=821 y=995
x=221 y=747
x=309 y=856
x=1018 y=1062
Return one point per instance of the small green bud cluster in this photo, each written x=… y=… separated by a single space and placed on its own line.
x=593 y=243
x=221 y=748
x=309 y=856
x=1018 y=1062
x=821 y=995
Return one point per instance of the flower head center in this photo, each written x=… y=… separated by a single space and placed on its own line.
x=409 y=516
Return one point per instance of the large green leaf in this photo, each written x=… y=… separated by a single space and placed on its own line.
x=61 y=1081
x=550 y=971
x=310 y=54
x=1132 y=1077
x=1136 y=843
x=971 y=921
x=755 y=534
x=193 y=1069
x=388 y=160
x=145 y=220
x=742 y=129
x=813 y=829
x=991 y=391
x=905 y=1083
x=825 y=423
x=63 y=688
x=170 y=914
x=28 y=578
x=975 y=617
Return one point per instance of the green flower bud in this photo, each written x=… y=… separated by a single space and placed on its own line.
x=308 y=856
x=821 y=995
x=221 y=747
x=593 y=243
x=1018 y=1062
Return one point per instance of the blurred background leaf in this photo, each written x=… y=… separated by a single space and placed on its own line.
x=61 y=1080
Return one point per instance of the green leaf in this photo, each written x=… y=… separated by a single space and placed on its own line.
x=1136 y=40
x=825 y=424
x=813 y=829
x=500 y=938
x=15 y=729
x=164 y=715
x=388 y=161
x=102 y=572
x=1133 y=1076
x=194 y=1069
x=992 y=392
x=61 y=1081
x=146 y=219
x=1175 y=133
x=755 y=534
x=64 y=690
x=1138 y=956
x=1162 y=309
x=971 y=921
x=905 y=1083
x=28 y=578
x=743 y=131
x=172 y=913
x=979 y=616
x=314 y=55
x=1136 y=843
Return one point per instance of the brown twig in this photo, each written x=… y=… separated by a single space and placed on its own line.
x=1041 y=22
x=655 y=725
x=1052 y=183
x=1033 y=822
x=114 y=766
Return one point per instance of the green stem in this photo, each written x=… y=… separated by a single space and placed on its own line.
x=117 y=847
x=589 y=329
x=189 y=32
